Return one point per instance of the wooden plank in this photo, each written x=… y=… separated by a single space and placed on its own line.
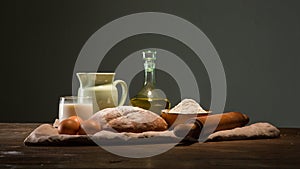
x=283 y=152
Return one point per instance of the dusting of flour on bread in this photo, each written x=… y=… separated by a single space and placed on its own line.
x=129 y=119
x=187 y=106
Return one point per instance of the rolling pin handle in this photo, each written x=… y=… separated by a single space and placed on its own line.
x=190 y=130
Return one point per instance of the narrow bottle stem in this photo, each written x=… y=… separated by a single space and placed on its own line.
x=149 y=78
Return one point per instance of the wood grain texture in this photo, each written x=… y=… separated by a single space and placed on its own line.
x=283 y=152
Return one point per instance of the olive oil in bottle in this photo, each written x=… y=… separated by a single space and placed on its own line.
x=155 y=105
x=149 y=97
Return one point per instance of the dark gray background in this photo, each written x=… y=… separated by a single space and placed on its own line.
x=258 y=43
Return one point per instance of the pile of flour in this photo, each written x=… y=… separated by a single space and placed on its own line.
x=188 y=106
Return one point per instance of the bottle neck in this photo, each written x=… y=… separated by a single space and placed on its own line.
x=149 y=65
x=150 y=77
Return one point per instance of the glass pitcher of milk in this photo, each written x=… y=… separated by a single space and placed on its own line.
x=102 y=88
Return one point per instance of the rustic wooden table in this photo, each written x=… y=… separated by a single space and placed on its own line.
x=283 y=152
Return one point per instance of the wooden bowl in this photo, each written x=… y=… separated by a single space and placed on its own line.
x=174 y=119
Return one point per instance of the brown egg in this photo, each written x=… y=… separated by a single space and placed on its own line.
x=89 y=127
x=68 y=126
x=76 y=118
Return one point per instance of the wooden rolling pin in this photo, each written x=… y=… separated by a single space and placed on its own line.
x=225 y=121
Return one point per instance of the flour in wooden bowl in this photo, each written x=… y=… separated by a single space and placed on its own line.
x=188 y=106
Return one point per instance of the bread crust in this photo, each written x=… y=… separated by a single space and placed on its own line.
x=130 y=119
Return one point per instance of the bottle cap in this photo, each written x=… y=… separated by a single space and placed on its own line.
x=149 y=55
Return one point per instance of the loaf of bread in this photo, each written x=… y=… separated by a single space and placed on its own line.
x=129 y=119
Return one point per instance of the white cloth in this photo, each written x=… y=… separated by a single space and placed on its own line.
x=46 y=134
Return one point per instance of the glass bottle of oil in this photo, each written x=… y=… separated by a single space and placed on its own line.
x=149 y=97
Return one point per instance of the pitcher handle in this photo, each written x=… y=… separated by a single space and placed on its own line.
x=124 y=90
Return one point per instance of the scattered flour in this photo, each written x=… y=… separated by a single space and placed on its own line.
x=188 y=106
